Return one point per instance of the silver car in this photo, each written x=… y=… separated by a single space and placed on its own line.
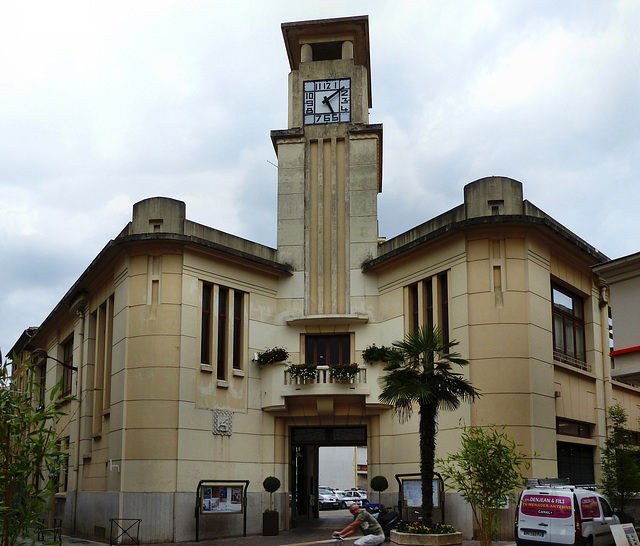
x=328 y=499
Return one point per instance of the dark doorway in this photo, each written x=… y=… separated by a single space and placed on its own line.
x=305 y=444
x=575 y=461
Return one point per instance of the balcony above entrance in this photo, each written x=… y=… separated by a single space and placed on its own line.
x=279 y=385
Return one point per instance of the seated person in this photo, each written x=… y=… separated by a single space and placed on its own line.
x=373 y=533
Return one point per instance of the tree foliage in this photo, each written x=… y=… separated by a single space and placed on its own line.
x=620 y=461
x=30 y=456
x=420 y=372
x=485 y=471
x=271 y=484
x=379 y=484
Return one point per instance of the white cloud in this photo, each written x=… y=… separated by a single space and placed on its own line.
x=103 y=104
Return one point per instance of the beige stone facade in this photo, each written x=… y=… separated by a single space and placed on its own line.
x=168 y=318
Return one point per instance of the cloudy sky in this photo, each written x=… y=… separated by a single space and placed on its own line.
x=103 y=104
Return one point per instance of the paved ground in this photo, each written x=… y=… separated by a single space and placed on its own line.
x=316 y=531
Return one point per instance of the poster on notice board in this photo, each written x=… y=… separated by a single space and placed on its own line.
x=221 y=499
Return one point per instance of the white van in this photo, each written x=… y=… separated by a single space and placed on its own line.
x=566 y=514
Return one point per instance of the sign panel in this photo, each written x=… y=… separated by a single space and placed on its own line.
x=589 y=507
x=625 y=535
x=412 y=491
x=546 y=506
x=221 y=499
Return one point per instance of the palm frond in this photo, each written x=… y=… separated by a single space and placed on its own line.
x=420 y=371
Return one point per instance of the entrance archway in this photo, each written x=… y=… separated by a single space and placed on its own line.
x=304 y=462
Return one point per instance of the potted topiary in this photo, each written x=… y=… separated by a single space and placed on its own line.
x=270 y=517
x=379 y=484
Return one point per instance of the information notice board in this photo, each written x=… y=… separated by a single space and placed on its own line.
x=217 y=497
x=221 y=499
x=412 y=492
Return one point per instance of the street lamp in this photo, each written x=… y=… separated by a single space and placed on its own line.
x=43 y=354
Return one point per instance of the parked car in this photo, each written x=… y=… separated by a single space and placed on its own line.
x=353 y=497
x=566 y=514
x=328 y=499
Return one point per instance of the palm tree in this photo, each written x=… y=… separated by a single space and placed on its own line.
x=420 y=372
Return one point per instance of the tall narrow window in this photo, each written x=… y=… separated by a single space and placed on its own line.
x=61 y=471
x=102 y=325
x=42 y=385
x=238 y=307
x=205 y=334
x=414 y=318
x=428 y=287
x=222 y=332
x=428 y=304
x=67 y=358
x=568 y=327
x=223 y=329
x=444 y=306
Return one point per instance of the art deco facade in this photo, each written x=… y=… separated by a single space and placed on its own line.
x=166 y=321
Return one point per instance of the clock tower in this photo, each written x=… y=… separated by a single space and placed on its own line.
x=329 y=171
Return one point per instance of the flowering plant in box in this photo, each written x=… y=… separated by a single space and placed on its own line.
x=277 y=354
x=419 y=528
x=343 y=371
x=373 y=353
x=303 y=371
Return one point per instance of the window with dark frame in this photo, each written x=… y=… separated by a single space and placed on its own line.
x=414 y=319
x=67 y=371
x=222 y=323
x=568 y=327
x=62 y=469
x=205 y=335
x=444 y=306
x=578 y=429
x=429 y=290
x=42 y=384
x=424 y=310
x=575 y=461
x=222 y=334
x=238 y=307
x=328 y=350
x=102 y=323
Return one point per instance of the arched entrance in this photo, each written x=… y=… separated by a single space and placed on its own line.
x=305 y=443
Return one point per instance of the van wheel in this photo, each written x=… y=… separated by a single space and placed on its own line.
x=589 y=541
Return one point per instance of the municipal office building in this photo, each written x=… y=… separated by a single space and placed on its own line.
x=164 y=327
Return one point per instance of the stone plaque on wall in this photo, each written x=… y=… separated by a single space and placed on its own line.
x=222 y=422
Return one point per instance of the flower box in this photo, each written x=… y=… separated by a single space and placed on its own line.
x=410 y=539
x=304 y=372
x=277 y=354
x=373 y=353
x=343 y=372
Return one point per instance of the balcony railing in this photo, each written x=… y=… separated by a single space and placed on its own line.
x=324 y=377
x=278 y=385
x=566 y=359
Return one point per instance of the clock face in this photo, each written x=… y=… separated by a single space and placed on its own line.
x=327 y=101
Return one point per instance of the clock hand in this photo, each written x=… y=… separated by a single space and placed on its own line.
x=334 y=94
x=327 y=100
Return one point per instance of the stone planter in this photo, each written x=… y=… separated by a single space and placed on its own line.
x=401 y=539
x=270 y=524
